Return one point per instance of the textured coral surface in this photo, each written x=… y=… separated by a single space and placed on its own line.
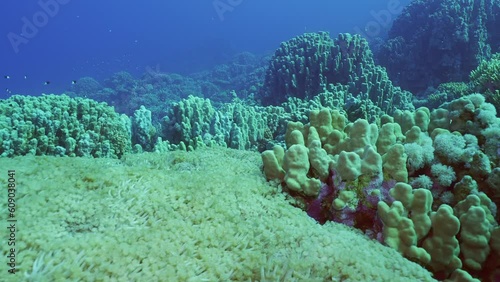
x=199 y=216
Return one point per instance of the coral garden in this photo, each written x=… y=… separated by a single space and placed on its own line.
x=396 y=144
x=439 y=41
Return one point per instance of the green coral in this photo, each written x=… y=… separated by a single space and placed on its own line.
x=436 y=41
x=62 y=126
x=194 y=123
x=447 y=226
x=456 y=89
x=143 y=131
x=447 y=92
x=486 y=79
x=342 y=68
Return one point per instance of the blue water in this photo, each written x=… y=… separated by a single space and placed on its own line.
x=71 y=39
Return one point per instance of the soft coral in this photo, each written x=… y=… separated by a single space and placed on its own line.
x=362 y=215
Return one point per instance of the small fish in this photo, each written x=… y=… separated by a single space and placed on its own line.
x=6 y=76
x=25 y=77
x=8 y=90
x=73 y=82
x=46 y=82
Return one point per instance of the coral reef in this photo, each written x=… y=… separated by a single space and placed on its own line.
x=358 y=180
x=486 y=79
x=62 y=126
x=241 y=77
x=144 y=134
x=358 y=174
x=154 y=90
x=206 y=215
x=194 y=122
x=314 y=63
x=439 y=41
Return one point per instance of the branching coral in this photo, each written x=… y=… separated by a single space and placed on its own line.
x=486 y=79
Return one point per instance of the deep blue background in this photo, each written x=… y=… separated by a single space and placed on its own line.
x=99 y=37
